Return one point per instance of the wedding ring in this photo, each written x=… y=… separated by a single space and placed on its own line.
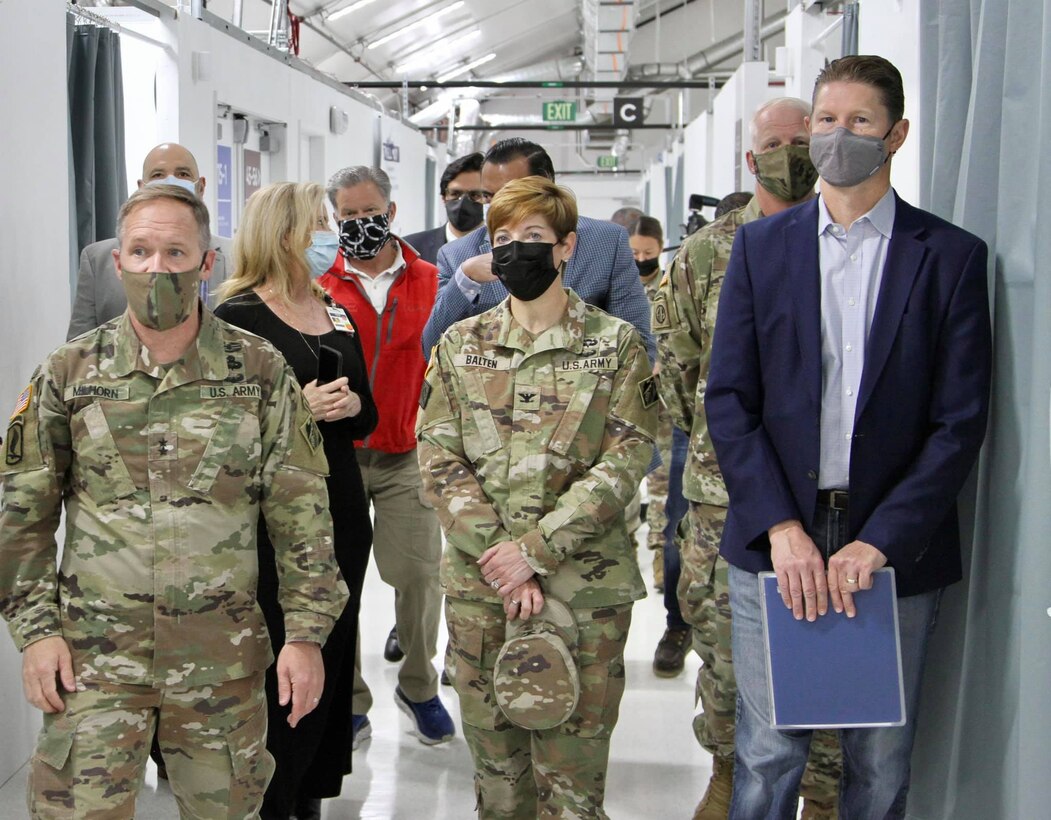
x=316 y=700
x=514 y=602
x=494 y=584
x=852 y=580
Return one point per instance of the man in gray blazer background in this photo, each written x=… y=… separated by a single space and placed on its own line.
x=100 y=295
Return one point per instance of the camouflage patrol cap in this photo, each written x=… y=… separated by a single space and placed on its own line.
x=536 y=681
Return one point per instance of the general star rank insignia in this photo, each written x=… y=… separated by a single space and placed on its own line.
x=648 y=391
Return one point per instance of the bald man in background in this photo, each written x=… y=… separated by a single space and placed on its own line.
x=100 y=296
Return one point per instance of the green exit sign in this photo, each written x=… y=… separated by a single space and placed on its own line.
x=560 y=111
x=607 y=162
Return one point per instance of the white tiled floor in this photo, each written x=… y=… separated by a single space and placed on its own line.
x=657 y=770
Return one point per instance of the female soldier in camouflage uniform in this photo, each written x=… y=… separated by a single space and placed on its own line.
x=537 y=425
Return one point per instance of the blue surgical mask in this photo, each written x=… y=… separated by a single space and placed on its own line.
x=322 y=252
x=188 y=184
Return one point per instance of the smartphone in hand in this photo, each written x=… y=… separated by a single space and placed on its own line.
x=330 y=364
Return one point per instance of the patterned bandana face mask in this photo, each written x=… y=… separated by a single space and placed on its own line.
x=161 y=301
x=365 y=237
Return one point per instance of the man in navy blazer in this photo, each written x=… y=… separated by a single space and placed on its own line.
x=847 y=401
x=602 y=269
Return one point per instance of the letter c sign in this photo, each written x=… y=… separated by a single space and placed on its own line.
x=627 y=111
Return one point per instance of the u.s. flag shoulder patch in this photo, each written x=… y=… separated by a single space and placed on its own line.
x=23 y=401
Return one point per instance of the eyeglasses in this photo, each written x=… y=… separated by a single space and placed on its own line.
x=481 y=197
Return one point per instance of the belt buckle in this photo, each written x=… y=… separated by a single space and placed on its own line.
x=837 y=499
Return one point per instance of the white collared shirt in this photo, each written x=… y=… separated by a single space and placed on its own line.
x=851 y=262
x=377 y=287
x=449 y=235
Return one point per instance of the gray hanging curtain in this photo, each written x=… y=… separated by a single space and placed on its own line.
x=99 y=184
x=982 y=748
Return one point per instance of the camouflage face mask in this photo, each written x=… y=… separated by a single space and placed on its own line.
x=161 y=301
x=786 y=172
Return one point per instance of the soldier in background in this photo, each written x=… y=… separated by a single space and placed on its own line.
x=166 y=432
x=666 y=505
x=535 y=522
x=684 y=314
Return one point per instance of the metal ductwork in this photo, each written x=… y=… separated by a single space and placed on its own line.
x=703 y=62
x=563 y=68
x=609 y=26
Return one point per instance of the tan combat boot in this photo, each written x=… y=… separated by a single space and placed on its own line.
x=658 y=569
x=715 y=805
x=816 y=810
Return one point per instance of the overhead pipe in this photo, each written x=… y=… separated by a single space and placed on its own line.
x=563 y=68
x=710 y=57
x=704 y=61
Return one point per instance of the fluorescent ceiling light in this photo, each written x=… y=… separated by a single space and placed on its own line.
x=436 y=49
x=430 y=18
x=343 y=12
x=456 y=72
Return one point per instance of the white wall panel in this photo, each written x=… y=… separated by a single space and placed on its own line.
x=891 y=28
x=34 y=279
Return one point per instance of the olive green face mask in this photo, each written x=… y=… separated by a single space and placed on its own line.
x=161 y=301
x=787 y=172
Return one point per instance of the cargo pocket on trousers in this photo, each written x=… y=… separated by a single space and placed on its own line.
x=251 y=764
x=56 y=741
x=601 y=667
x=50 y=784
x=471 y=677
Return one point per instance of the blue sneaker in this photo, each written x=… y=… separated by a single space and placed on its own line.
x=432 y=723
x=361 y=730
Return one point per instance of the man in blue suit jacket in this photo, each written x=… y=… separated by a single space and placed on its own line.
x=847 y=402
x=602 y=269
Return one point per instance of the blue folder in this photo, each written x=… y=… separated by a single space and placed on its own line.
x=835 y=672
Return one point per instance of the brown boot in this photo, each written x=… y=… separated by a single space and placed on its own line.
x=715 y=805
x=816 y=810
x=671 y=652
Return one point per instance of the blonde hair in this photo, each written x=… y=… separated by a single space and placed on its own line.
x=533 y=196
x=274 y=232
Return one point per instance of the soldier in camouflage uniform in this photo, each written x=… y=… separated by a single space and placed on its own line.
x=165 y=432
x=667 y=506
x=537 y=426
x=684 y=315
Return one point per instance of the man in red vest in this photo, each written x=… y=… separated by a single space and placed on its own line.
x=389 y=292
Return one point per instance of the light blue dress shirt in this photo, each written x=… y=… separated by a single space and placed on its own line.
x=851 y=261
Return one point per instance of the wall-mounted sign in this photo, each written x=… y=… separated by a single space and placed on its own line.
x=627 y=111
x=607 y=161
x=253 y=172
x=224 y=199
x=391 y=152
x=560 y=111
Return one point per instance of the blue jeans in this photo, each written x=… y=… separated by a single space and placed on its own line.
x=769 y=763
x=674 y=510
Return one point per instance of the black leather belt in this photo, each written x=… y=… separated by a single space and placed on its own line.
x=833 y=499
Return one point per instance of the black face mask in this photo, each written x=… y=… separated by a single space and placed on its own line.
x=364 y=237
x=464 y=213
x=527 y=269
x=648 y=267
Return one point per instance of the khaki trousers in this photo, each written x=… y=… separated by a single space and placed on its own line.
x=407 y=548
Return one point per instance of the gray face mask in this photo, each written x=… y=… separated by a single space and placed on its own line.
x=846 y=159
